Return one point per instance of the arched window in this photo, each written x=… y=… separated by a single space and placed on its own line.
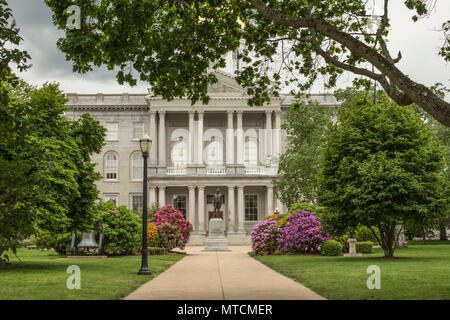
x=137 y=166
x=251 y=152
x=180 y=153
x=214 y=154
x=112 y=166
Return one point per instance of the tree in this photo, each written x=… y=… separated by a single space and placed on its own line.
x=381 y=168
x=47 y=178
x=299 y=164
x=172 y=44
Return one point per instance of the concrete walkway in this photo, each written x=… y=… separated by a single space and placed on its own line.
x=221 y=276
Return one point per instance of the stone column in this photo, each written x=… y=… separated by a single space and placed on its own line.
x=191 y=137
x=162 y=196
x=268 y=133
x=279 y=205
x=230 y=138
x=154 y=136
x=277 y=135
x=241 y=210
x=201 y=209
x=231 y=211
x=269 y=200
x=200 y=138
x=191 y=213
x=162 y=138
x=240 y=139
x=152 y=196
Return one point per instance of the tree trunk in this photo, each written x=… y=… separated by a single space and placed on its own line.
x=424 y=238
x=442 y=230
x=388 y=241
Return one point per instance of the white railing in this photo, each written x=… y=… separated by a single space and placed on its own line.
x=255 y=170
x=216 y=170
x=175 y=171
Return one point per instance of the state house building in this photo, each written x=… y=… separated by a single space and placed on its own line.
x=225 y=145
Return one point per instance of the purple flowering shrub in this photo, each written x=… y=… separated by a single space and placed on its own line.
x=265 y=236
x=303 y=232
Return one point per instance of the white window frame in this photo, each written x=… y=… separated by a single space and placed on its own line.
x=107 y=167
x=107 y=197
x=250 y=161
x=112 y=131
x=141 y=123
x=140 y=174
x=132 y=195
x=257 y=206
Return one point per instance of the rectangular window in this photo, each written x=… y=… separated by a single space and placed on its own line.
x=111 y=131
x=138 y=130
x=179 y=203
x=137 y=165
x=137 y=203
x=111 y=198
x=251 y=207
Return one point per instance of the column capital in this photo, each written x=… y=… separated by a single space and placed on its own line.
x=269 y=186
x=152 y=112
x=190 y=187
x=268 y=112
x=162 y=187
x=230 y=112
x=200 y=112
x=162 y=112
x=240 y=112
x=277 y=112
x=240 y=186
x=191 y=112
x=201 y=187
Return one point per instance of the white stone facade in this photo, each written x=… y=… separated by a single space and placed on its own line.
x=197 y=149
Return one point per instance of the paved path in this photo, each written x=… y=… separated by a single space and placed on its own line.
x=221 y=276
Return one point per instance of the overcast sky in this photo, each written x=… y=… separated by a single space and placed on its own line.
x=419 y=43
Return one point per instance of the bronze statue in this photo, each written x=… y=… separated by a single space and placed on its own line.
x=217 y=204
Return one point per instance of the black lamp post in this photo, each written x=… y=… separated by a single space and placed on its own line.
x=145 y=143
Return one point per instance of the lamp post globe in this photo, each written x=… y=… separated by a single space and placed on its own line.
x=145 y=144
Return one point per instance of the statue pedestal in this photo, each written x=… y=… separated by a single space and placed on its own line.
x=352 y=249
x=216 y=240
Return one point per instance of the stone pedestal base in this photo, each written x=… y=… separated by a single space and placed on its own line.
x=216 y=240
x=352 y=249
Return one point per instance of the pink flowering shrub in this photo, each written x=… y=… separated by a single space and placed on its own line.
x=265 y=236
x=303 y=232
x=173 y=228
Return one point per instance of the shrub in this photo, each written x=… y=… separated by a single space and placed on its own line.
x=122 y=229
x=265 y=236
x=364 y=247
x=332 y=248
x=302 y=233
x=363 y=233
x=156 y=250
x=173 y=228
x=152 y=235
x=58 y=242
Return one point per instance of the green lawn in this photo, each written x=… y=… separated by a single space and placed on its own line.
x=424 y=275
x=42 y=275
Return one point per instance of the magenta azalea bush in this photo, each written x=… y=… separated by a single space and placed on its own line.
x=303 y=232
x=265 y=236
x=173 y=228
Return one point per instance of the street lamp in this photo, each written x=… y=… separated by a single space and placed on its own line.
x=145 y=143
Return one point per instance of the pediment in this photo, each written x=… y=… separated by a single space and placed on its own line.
x=226 y=84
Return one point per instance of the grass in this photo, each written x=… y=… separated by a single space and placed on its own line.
x=425 y=274
x=42 y=275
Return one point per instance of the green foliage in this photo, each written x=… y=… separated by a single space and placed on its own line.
x=332 y=248
x=364 y=247
x=59 y=242
x=157 y=251
x=299 y=165
x=363 y=233
x=157 y=41
x=47 y=158
x=121 y=228
x=381 y=167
